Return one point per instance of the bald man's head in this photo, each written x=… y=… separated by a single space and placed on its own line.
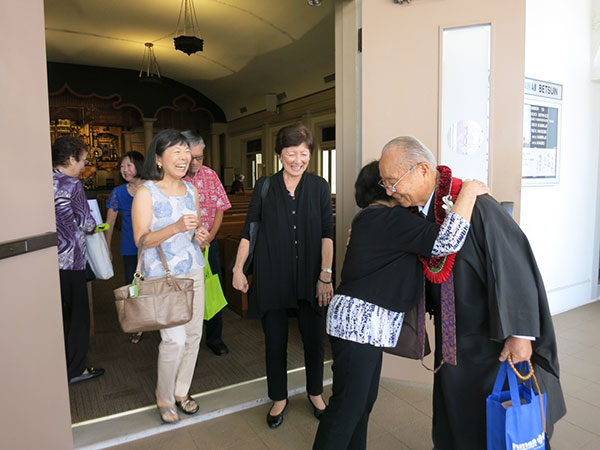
x=408 y=169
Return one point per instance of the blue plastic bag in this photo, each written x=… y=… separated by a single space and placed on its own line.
x=514 y=417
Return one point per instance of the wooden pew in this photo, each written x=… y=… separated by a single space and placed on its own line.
x=237 y=301
x=229 y=237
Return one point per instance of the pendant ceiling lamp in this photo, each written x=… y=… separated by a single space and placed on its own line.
x=149 y=71
x=187 y=36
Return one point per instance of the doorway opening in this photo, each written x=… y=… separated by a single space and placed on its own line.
x=240 y=143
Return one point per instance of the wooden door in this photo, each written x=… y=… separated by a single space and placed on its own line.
x=406 y=86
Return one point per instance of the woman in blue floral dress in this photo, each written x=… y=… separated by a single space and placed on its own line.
x=165 y=212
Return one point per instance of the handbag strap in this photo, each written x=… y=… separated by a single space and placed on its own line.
x=161 y=254
x=207 y=269
x=531 y=374
x=503 y=374
x=265 y=189
x=263 y=193
x=499 y=380
x=512 y=386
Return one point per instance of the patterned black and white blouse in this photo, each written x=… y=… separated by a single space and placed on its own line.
x=356 y=320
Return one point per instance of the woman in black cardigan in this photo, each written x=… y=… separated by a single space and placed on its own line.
x=381 y=278
x=292 y=265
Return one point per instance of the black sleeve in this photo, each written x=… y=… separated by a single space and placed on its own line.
x=326 y=211
x=254 y=208
x=515 y=288
x=407 y=231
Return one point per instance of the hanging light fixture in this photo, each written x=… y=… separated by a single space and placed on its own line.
x=187 y=34
x=150 y=71
x=314 y=2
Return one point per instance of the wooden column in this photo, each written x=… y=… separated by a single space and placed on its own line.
x=148 y=130
x=215 y=151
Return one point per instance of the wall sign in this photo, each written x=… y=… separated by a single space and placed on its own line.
x=541 y=133
x=539 y=88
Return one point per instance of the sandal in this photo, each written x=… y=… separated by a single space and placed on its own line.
x=166 y=412
x=186 y=404
x=135 y=338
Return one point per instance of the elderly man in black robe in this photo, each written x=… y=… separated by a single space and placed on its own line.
x=498 y=296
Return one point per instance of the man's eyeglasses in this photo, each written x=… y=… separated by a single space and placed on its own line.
x=198 y=158
x=393 y=186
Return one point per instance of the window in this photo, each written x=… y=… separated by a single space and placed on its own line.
x=254 y=160
x=328 y=156
x=328 y=171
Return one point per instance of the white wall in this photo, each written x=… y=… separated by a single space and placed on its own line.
x=560 y=220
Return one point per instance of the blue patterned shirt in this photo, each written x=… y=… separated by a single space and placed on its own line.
x=182 y=253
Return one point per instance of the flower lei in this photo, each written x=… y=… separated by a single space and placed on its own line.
x=438 y=269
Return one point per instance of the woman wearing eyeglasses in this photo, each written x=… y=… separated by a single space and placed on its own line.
x=378 y=285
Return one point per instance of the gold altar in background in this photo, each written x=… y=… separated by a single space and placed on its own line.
x=104 y=147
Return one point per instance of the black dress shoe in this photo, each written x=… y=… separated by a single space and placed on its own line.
x=316 y=411
x=87 y=374
x=219 y=349
x=275 y=421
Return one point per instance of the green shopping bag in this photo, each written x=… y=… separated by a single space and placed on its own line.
x=214 y=299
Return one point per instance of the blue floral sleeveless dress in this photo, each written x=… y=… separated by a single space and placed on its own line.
x=183 y=254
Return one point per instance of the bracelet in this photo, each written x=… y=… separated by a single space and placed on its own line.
x=328 y=270
x=326 y=282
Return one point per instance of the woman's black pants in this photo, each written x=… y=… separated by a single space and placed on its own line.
x=76 y=319
x=275 y=327
x=356 y=371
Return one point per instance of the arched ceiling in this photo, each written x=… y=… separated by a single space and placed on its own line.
x=251 y=47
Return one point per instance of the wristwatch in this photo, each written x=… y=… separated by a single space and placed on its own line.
x=328 y=270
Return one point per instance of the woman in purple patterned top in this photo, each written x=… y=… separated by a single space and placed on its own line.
x=73 y=219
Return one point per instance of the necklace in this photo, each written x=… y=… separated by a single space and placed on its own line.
x=438 y=269
x=133 y=185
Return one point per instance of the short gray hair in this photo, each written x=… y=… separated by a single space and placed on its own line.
x=413 y=151
x=193 y=138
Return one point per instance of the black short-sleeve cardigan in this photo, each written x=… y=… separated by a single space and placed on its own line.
x=287 y=260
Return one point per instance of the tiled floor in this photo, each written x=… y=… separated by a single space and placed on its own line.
x=401 y=418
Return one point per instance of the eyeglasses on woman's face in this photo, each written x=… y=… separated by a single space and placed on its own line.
x=392 y=187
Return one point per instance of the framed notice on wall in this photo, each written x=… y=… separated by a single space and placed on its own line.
x=541 y=132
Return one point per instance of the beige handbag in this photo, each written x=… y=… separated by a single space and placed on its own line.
x=148 y=305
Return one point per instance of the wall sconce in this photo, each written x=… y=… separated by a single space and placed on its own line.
x=313 y=2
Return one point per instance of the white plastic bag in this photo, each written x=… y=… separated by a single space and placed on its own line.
x=98 y=256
